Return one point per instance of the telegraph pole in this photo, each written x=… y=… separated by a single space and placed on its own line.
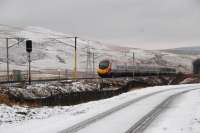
x=89 y=66
x=93 y=66
x=75 y=58
x=19 y=40
x=133 y=65
x=7 y=59
x=87 y=62
x=29 y=50
x=29 y=70
x=74 y=73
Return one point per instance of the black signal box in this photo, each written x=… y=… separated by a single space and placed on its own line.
x=29 y=46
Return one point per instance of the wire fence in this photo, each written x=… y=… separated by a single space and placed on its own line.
x=21 y=76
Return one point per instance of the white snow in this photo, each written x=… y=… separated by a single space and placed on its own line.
x=44 y=90
x=183 y=116
x=58 y=118
x=122 y=120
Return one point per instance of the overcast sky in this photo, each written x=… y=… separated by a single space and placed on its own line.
x=149 y=24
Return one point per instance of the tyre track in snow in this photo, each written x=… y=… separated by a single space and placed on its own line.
x=143 y=123
x=77 y=127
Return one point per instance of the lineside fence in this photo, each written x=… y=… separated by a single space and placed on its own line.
x=37 y=75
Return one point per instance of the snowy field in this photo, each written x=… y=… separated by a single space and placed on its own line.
x=55 y=119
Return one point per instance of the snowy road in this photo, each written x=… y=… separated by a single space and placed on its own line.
x=128 y=117
x=182 y=116
x=113 y=115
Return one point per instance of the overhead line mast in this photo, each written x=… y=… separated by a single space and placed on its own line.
x=75 y=59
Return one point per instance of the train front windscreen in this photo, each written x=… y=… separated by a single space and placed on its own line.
x=104 y=64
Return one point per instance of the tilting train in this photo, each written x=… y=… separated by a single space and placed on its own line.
x=109 y=68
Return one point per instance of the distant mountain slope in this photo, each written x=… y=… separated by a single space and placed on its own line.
x=52 y=50
x=185 y=50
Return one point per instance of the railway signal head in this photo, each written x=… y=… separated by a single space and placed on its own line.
x=29 y=46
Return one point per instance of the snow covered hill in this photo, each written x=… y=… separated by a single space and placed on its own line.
x=185 y=50
x=53 y=50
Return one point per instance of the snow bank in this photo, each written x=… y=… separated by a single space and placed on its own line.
x=50 y=89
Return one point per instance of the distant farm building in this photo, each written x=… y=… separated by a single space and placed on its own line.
x=196 y=66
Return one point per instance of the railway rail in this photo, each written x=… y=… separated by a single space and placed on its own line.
x=142 y=123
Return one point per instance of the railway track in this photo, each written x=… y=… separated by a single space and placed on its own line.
x=141 y=123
